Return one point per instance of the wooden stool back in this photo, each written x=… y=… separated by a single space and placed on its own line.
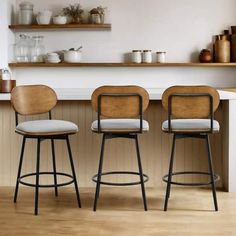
x=192 y=106
x=33 y=99
x=115 y=104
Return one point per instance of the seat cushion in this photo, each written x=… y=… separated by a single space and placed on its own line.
x=46 y=127
x=119 y=125
x=191 y=125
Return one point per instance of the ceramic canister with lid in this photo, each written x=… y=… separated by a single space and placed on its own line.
x=136 y=56
x=147 y=56
x=160 y=57
x=26 y=13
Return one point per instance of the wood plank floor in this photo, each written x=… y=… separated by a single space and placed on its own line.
x=120 y=212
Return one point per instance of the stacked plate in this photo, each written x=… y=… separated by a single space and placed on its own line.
x=52 y=58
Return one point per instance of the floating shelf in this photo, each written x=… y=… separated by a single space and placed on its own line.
x=58 y=27
x=117 y=64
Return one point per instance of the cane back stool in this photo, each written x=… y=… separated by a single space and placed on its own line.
x=123 y=108
x=190 y=115
x=35 y=100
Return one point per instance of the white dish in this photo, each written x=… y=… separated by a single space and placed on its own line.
x=52 y=54
x=53 y=58
x=59 y=20
x=43 y=20
x=53 y=61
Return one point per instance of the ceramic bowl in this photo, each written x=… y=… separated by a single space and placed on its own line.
x=44 y=17
x=59 y=20
x=72 y=56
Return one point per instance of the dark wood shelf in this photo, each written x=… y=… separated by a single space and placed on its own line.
x=58 y=27
x=118 y=64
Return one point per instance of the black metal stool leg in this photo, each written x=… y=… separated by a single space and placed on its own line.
x=170 y=174
x=37 y=178
x=99 y=174
x=73 y=171
x=212 y=173
x=54 y=167
x=141 y=173
x=19 y=169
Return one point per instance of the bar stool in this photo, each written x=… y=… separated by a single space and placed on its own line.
x=122 y=105
x=34 y=100
x=193 y=110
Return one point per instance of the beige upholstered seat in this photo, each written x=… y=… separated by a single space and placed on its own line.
x=46 y=127
x=118 y=125
x=191 y=125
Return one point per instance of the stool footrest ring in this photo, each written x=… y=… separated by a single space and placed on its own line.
x=46 y=185
x=216 y=178
x=146 y=178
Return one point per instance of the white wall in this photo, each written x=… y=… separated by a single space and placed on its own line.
x=181 y=28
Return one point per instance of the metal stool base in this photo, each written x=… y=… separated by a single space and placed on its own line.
x=97 y=178
x=213 y=177
x=216 y=178
x=46 y=185
x=145 y=178
x=37 y=173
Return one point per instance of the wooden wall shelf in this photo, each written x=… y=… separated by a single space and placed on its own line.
x=117 y=64
x=58 y=27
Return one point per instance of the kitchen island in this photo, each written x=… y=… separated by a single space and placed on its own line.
x=74 y=105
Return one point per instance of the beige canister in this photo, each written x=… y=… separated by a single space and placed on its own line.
x=222 y=49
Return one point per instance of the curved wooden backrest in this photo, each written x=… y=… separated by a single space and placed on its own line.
x=191 y=107
x=120 y=106
x=33 y=99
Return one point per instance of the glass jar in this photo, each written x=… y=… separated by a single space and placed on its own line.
x=22 y=49
x=136 y=56
x=161 y=57
x=6 y=75
x=147 y=56
x=37 y=51
x=26 y=13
